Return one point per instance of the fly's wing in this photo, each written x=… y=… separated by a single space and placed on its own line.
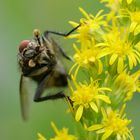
x=58 y=77
x=24 y=97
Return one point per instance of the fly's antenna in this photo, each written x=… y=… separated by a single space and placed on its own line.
x=36 y=34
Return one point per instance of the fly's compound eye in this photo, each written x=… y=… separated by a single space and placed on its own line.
x=23 y=45
x=31 y=50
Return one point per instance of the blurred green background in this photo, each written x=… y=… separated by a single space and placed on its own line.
x=17 y=21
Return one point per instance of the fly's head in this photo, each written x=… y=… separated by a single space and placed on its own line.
x=35 y=54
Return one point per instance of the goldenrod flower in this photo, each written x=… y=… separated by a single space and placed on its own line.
x=114 y=124
x=128 y=84
x=89 y=57
x=87 y=96
x=134 y=17
x=135 y=22
x=112 y=4
x=121 y=50
x=40 y=137
x=62 y=134
x=90 y=25
x=107 y=51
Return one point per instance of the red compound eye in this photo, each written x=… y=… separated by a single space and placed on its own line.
x=23 y=45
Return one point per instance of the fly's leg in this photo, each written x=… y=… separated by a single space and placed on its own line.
x=60 y=33
x=38 y=95
x=46 y=33
x=64 y=53
x=58 y=95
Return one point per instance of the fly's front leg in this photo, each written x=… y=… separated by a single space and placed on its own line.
x=61 y=34
x=64 y=53
x=46 y=33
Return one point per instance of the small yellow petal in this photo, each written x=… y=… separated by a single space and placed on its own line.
x=137 y=30
x=54 y=128
x=113 y=58
x=74 y=24
x=130 y=62
x=137 y=58
x=76 y=49
x=85 y=61
x=103 y=113
x=137 y=46
x=76 y=71
x=104 y=53
x=70 y=71
x=102 y=44
x=95 y=127
x=94 y=106
x=92 y=59
x=40 y=137
x=84 y=13
x=122 y=109
x=107 y=134
x=73 y=36
x=99 y=13
x=137 y=52
x=100 y=67
x=131 y=137
x=120 y=66
x=104 y=98
x=133 y=59
x=133 y=26
x=79 y=113
x=104 y=88
x=100 y=131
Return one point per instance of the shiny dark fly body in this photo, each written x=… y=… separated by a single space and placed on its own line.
x=39 y=61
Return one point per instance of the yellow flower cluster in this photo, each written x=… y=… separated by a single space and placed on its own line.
x=121 y=49
x=96 y=44
x=60 y=135
x=105 y=74
x=128 y=83
x=107 y=52
x=88 y=96
x=113 y=123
